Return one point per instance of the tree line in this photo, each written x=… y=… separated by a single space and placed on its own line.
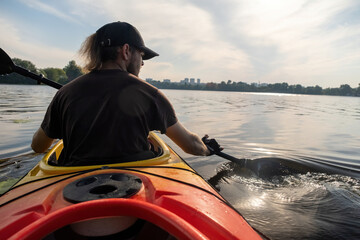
x=60 y=75
x=72 y=71
x=343 y=90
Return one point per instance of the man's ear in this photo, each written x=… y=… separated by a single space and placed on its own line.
x=124 y=51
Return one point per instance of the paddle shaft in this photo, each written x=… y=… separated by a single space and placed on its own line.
x=231 y=158
x=39 y=78
x=212 y=144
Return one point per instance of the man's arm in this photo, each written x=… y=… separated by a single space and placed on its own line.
x=189 y=142
x=41 y=142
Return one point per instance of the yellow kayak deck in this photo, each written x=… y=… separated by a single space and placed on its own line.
x=43 y=169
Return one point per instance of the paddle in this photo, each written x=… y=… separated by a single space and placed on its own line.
x=7 y=66
x=267 y=167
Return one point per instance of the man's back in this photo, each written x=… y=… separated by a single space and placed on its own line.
x=105 y=116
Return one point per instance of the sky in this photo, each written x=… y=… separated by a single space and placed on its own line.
x=307 y=42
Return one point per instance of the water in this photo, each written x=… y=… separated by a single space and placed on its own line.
x=319 y=135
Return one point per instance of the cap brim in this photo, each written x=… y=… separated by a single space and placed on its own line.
x=148 y=53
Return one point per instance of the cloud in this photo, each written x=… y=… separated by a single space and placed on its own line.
x=46 y=8
x=294 y=41
x=42 y=56
x=182 y=32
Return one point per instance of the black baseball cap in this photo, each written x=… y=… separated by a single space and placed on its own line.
x=119 y=33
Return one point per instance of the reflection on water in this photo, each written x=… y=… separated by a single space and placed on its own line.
x=13 y=168
x=315 y=133
x=21 y=110
x=298 y=206
x=254 y=125
x=316 y=137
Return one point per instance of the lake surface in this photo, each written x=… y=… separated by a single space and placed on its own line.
x=314 y=139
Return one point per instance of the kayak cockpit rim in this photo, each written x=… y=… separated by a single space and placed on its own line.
x=46 y=168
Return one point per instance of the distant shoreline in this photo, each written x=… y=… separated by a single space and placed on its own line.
x=344 y=90
x=336 y=91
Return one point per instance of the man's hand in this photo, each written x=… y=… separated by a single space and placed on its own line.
x=211 y=144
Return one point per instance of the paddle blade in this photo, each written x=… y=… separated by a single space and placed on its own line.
x=6 y=64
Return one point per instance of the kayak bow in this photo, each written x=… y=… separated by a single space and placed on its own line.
x=161 y=197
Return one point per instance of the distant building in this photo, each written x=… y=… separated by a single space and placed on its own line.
x=167 y=81
x=191 y=81
x=148 y=79
x=185 y=81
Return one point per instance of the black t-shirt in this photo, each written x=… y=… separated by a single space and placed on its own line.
x=105 y=116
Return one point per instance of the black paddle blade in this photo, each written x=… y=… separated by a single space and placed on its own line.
x=6 y=64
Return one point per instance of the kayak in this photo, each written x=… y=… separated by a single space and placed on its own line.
x=157 y=198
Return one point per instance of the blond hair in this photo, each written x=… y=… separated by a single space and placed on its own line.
x=94 y=54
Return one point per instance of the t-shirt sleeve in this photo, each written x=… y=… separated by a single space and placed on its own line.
x=166 y=116
x=52 y=121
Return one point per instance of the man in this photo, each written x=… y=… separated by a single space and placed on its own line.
x=105 y=115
